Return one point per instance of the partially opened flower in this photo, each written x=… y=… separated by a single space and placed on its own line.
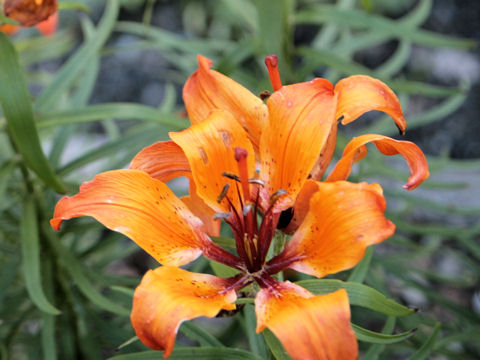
x=40 y=13
x=249 y=162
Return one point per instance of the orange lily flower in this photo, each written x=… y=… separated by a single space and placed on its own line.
x=247 y=161
x=41 y=13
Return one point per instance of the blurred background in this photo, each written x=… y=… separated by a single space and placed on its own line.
x=109 y=82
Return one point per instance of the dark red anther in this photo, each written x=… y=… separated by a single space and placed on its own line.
x=241 y=157
x=272 y=66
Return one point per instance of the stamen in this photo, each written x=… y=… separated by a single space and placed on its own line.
x=222 y=215
x=272 y=66
x=265 y=94
x=241 y=157
x=276 y=195
x=223 y=193
x=231 y=176
x=247 y=209
x=256 y=181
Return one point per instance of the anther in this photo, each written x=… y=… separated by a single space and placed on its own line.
x=265 y=94
x=222 y=215
x=272 y=66
x=246 y=209
x=231 y=176
x=276 y=195
x=223 y=193
x=256 y=181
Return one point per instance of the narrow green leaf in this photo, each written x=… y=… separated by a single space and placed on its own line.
x=358 y=294
x=222 y=270
x=31 y=258
x=360 y=271
x=356 y=19
x=65 y=77
x=74 y=269
x=71 y=5
x=194 y=353
x=17 y=108
x=275 y=346
x=255 y=341
x=49 y=346
x=119 y=111
x=380 y=338
x=376 y=349
x=194 y=332
x=428 y=346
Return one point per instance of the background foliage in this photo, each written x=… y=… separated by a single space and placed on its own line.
x=65 y=116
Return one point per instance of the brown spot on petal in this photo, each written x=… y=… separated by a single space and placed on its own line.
x=203 y=154
x=226 y=138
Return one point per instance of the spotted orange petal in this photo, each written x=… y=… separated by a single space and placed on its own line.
x=209 y=147
x=200 y=209
x=167 y=296
x=360 y=93
x=356 y=150
x=29 y=12
x=208 y=90
x=163 y=161
x=142 y=208
x=309 y=327
x=343 y=219
x=301 y=117
x=49 y=26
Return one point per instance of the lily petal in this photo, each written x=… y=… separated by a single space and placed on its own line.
x=163 y=161
x=49 y=26
x=356 y=150
x=201 y=210
x=167 y=296
x=208 y=90
x=309 y=327
x=301 y=117
x=29 y=12
x=360 y=93
x=142 y=208
x=210 y=149
x=343 y=219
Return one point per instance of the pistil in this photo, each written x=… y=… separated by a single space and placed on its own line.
x=272 y=66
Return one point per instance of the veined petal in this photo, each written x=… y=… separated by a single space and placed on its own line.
x=360 y=93
x=29 y=12
x=302 y=205
x=163 y=161
x=208 y=90
x=167 y=296
x=343 y=219
x=309 y=327
x=142 y=208
x=210 y=149
x=301 y=117
x=49 y=26
x=201 y=210
x=356 y=150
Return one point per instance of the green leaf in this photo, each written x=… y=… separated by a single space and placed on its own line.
x=112 y=111
x=71 y=5
x=376 y=349
x=380 y=338
x=356 y=19
x=194 y=353
x=69 y=72
x=275 y=346
x=428 y=346
x=75 y=270
x=255 y=341
x=31 y=258
x=360 y=271
x=222 y=270
x=358 y=294
x=17 y=108
x=194 y=332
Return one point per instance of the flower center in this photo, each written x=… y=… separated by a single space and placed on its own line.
x=252 y=237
